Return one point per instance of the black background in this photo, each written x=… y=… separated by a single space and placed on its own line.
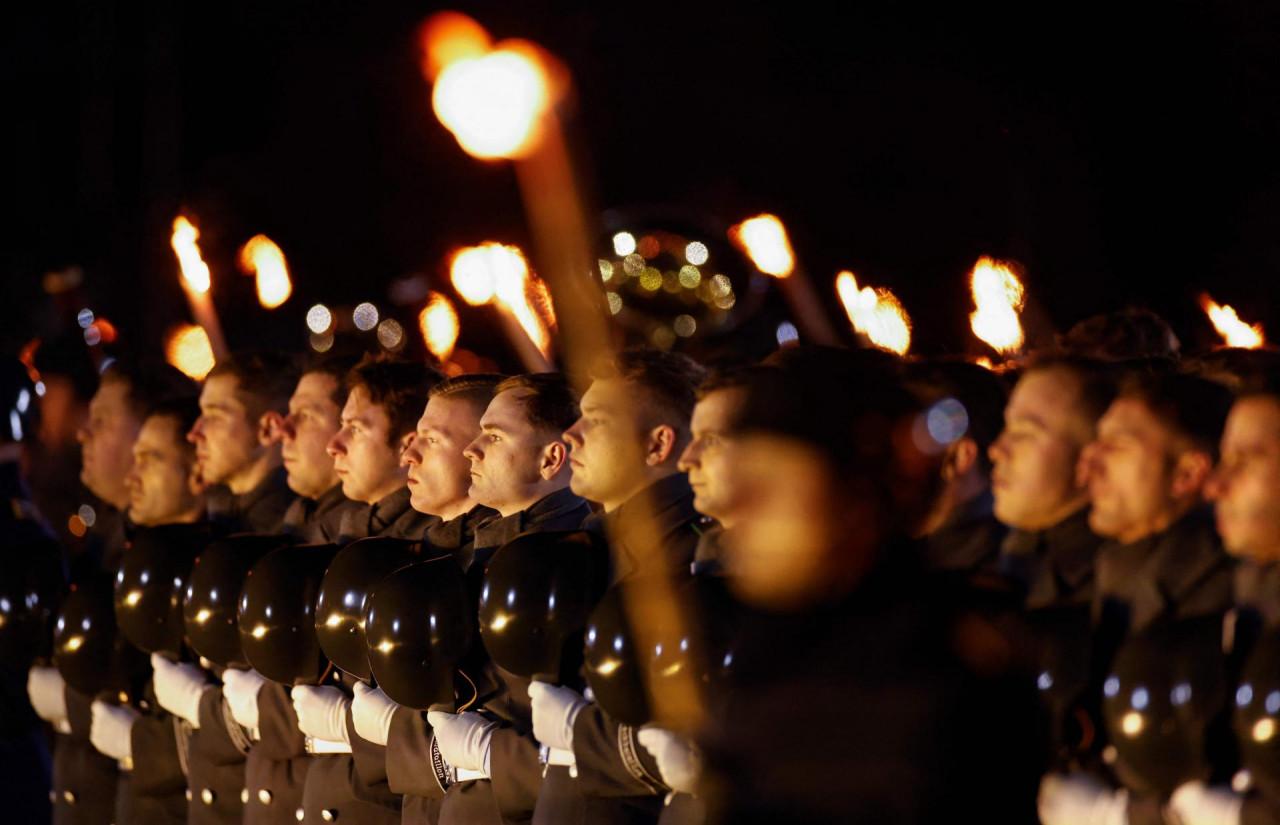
x=1122 y=154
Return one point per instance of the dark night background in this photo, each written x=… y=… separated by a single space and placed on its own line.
x=1122 y=155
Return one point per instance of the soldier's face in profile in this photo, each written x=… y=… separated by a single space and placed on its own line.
x=226 y=438
x=366 y=454
x=1139 y=473
x=607 y=445
x=106 y=443
x=510 y=457
x=710 y=458
x=162 y=488
x=439 y=473
x=314 y=419
x=1033 y=476
x=1246 y=485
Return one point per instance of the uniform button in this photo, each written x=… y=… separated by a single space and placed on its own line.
x=264 y=796
x=206 y=796
x=300 y=814
x=188 y=794
x=244 y=796
x=69 y=797
x=329 y=815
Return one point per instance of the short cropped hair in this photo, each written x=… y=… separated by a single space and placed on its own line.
x=1192 y=407
x=264 y=379
x=182 y=410
x=1095 y=381
x=550 y=403
x=668 y=384
x=475 y=388
x=148 y=383
x=400 y=387
x=336 y=366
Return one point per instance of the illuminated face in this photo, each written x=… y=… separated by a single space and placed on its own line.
x=1246 y=486
x=439 y=473
x=513 y=462
x=162 y=487
x=607 y=446
x=226 y=438
x=366 y=454
x=1033 y=476
x=1130 y=470
x=314 y=419
x=710 y=457
x=106 y=443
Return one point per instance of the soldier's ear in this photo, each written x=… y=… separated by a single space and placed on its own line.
x=1190 y=473
x=555 y=457
x=270 y=426
x=962 y=456
x=661 y=446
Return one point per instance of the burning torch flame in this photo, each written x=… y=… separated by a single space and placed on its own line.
x=1235 y=332
x=448 y=37
x=493 y=272
x=194 y=270
x=765 y=241
x=189 y=350
x=439 y=324
x=875 y=313
x=998 y=297
x=261 y=256
x=494 y=104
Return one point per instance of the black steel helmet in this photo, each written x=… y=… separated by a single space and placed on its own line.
x=537 y=593
x=698 y=645
x=150 y=583
x=352 y=576
x=88 y=650
x=277 y=614
x=213 y=595
x=420 y=623
x=1164 y=689
x=31 y=587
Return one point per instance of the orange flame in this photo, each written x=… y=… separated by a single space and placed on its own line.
x=261 y=255
x=438 y=321
x=494 y=104
x=189 y=350
x=765 y=241
x=494 y=272
x=448 y=37
x=875 y=313
x=1235 y=332
x=195 y=272
x=998 y=297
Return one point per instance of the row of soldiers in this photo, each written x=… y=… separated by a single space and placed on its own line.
x=904 y=591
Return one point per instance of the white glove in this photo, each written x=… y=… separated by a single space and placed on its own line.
x=679 y=760
x=463 y=739
x=47 y=693
x=178 y=687
x=1077 y=799
x=322 y=712
x=112 y=728
x=371 y=712
x=240 y=689
x=555 y=709
x=1196 y=804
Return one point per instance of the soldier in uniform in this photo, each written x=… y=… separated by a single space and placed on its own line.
x=84 y=781
x=518 y=466
x=162 y=490
x=277 y=762
x=1162 y=561
x=848 y=680
x=384 y=401
x=623 y=452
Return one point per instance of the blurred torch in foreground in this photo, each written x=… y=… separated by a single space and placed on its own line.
x=765 y=241
x=261 y=256
x=998 y=298
x=876 y=314
x=196 y=282
x=499 y=274
x=188 y=349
